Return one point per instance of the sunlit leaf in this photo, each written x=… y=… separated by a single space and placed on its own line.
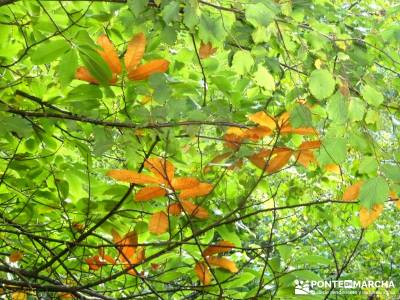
x=149 y=193
x=220 y=247
x=158 y=223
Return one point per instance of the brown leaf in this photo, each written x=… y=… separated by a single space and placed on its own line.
x=109 y=54
x=203 y=273
x=367 y=217
x=352 y=192
x=174 y=209
x=263 y=119
x=15 y=256
x=184 y=183
x=161 y=168
x=149 y=193
x=194 y=210
x=132 y=177
x=222 y=262
x=135 y=51
x=206 y=50
x=158 y=223
x=144 y=71
x=220 y=247
x=201 y=189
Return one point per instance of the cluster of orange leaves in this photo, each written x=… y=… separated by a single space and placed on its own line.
x=130 y=253
x=162 y=182
x=210 y=259
x=132 y=59
x=271 y=160
x=367 y=217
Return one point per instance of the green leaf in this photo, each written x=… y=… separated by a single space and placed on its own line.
x=95 y=64
x=322 y=84
x=191 y=14
x=371 y=95
x=138 y=6
x=301 y=116
x=264 y=79
x=230 y=235
x=47 y=52
x=259 y=15
x=67 y=67
x=333 y=150
x=312 y=260
x=392 y=172
x=211 y=29
x=368 y=165
x=337 y=108
x=170 y=12
x=374 y=191
x=356 y=109
x=242 y=62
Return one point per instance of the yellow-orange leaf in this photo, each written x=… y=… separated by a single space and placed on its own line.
x=162 y=168
x=144 y=71
x=279 y=161
x=109 y=54
x=16 y=256
x=220 y=247
x=174 y=209
x=332 y=168
x=150 y=192
x=194 y=210
x=283 y=119
x=257 y=133
x=308 y=145
x=367 y=217
x=83 y=74
x=135 y=51
x=263 y=119
x=235 y=131
x=222 y=262
x=203 y=273
x=201 y=189
x=19 y=296
x=305 y=157
x=206 y=50
x=132 y=177
x=352 y=192
x=184 y=183
x=158 y=223
x=65 y=296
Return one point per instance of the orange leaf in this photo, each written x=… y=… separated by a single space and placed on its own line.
x=201 y=189
x=261 y=118
x=144 y=71
x=367 y=217
x=257 y=133
x=287 y=129
x=174 y=209
x=149 y=193
x=203 y=273
x=232 y=141
x=109 y=259
x=128 y=244
x=132 y=177
x=222 y=262
x=283 y=119
x=83 y=74
x=109 y=54
x=92 y=263
x=305 y=157
x=133 y=260
x=135 y=51
x=158 y=223
x=16 y=256
x=194 y=210
x=308 y=145
x=332 y=168
x=162 y=168
x=352 y=192
x=184 y=183
x=235 y=131
x=65 y=296
x=220 y=247
x=393 y=196
x=206 y=50
x=279 y=161
x=116 y=236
